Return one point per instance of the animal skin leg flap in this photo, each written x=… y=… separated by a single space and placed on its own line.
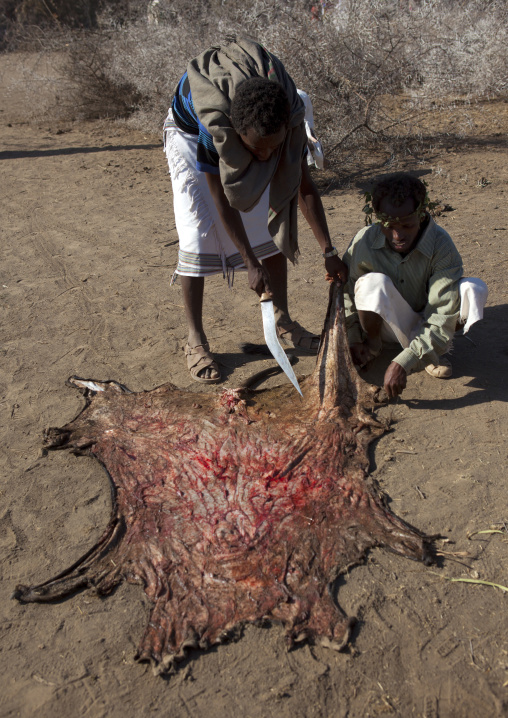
x=235 y=507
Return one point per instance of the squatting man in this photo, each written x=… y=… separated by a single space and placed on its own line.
x=406 y=285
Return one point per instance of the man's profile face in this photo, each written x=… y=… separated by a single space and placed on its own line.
x=401 y=233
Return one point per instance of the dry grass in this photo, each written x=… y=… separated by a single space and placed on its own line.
x=377 y=70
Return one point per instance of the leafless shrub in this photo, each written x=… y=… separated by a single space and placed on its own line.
x=23 y=22
x=74 y=13
x=375 y=69
x=96 y=87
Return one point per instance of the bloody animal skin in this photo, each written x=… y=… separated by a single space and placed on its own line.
x=235 y=507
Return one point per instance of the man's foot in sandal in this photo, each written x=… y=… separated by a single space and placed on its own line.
x=294 y=335
x=443 y=370
x=201 y=364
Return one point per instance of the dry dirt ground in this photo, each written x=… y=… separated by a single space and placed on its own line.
x=88 y=248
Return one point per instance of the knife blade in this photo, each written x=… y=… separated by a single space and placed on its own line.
x=272 y=341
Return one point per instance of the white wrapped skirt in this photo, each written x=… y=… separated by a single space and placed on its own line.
x=375 y=292
x=205 y=247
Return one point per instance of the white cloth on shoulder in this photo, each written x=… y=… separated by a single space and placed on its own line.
x=375 y=292
x=473 y=296
x=315 y=155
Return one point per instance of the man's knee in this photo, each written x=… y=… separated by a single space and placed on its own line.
x=370 y=287
x=373 y=280
x=376 y=292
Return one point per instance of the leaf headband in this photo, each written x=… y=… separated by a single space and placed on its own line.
x=386 y=219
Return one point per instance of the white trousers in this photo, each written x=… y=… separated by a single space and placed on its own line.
x=375 y=292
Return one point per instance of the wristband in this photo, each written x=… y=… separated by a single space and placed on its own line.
x=332 y=253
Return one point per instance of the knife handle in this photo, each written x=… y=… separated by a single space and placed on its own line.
x=265 y=297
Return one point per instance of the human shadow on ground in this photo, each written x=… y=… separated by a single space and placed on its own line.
x=22 y=154
x=480 y=354
x=258 y=361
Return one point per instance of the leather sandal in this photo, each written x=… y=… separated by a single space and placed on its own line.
x=294 y=335
x=199 y=358
x=443 y=370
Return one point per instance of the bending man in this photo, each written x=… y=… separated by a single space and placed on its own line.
x=236 y=147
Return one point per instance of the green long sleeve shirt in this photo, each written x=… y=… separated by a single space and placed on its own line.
x=427 y=278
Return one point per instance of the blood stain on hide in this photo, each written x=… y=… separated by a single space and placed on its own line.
x=235 y=507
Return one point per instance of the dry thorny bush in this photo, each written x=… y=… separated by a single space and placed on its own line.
x=375 y=69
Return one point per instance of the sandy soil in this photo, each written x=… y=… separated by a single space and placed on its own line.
x=88 y=249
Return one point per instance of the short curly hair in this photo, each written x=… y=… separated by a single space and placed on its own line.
x=260 y=104
x=398 y=187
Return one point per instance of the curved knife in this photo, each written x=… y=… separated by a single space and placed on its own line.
x=272 y=340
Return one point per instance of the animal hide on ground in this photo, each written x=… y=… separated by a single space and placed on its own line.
x=234 y=507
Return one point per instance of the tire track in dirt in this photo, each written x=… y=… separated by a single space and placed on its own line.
x=78 y=229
